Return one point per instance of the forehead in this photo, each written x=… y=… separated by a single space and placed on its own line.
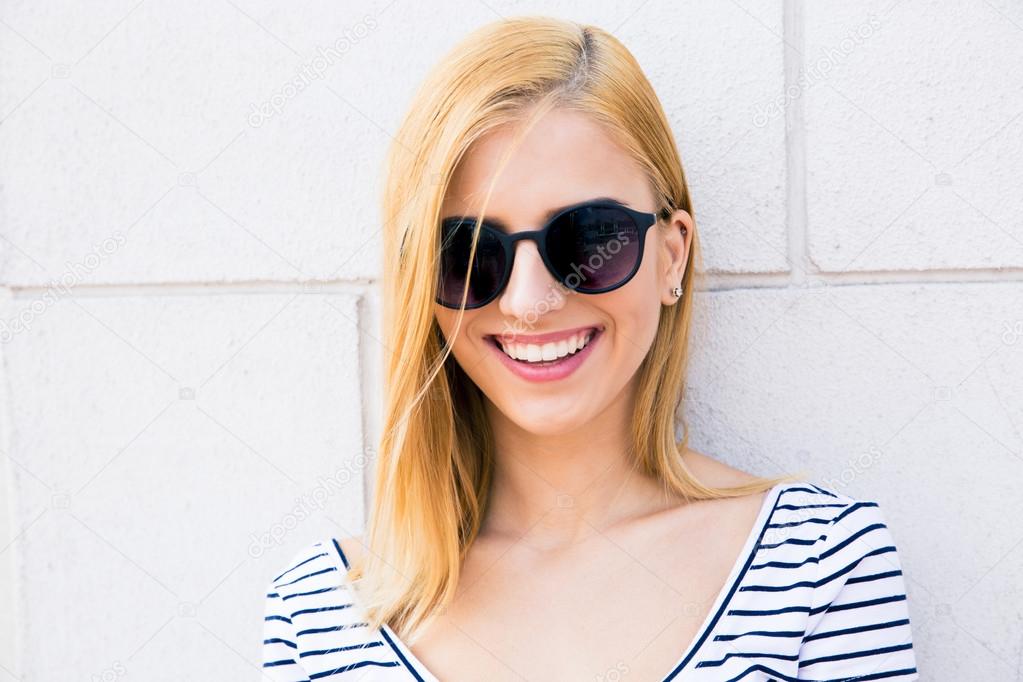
x=564 y=159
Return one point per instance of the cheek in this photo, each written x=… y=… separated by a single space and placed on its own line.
x=636 y=314
x=445 y=319
x=464 y=349
x=636 y=307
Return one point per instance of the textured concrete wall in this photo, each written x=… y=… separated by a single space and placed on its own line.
x=188 y=262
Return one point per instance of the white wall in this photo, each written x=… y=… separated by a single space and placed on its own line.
x=208 y=373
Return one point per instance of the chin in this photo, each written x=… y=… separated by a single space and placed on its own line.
x=542 y=424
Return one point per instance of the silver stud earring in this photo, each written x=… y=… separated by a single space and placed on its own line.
x=677 y=291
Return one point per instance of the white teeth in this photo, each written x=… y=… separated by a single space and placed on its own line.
x=531 y=352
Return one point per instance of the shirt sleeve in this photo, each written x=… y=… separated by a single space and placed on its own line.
x=280 y=648
x=858 y=626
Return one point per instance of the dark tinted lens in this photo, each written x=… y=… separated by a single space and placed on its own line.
x=593 y=247
x=488 y=264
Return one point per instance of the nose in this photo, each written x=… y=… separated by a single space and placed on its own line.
x=532 y=290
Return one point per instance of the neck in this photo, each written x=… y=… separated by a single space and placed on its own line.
x=555 y=490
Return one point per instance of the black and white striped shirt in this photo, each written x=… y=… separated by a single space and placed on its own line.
x=817 y=593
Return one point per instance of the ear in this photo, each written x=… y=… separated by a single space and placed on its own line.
x=676 y=239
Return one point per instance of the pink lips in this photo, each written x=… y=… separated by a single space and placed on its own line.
x=558 y=369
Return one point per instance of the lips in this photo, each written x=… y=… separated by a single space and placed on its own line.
x=550 y=370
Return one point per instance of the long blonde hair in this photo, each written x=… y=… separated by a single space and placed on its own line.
x=435 y=456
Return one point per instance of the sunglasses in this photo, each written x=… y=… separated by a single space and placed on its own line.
x=591 y=248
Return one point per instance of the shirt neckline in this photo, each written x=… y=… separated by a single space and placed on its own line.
x=724 y=596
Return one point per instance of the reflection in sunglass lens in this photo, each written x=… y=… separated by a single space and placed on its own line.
x=594 y=247
x=488 y=263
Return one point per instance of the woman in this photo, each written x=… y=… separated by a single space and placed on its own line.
x=534 y=515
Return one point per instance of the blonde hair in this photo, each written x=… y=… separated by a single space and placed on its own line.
x=435 y=456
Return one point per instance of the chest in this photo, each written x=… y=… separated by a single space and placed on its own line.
x=611 y=608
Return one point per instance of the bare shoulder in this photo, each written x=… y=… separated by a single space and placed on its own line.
x=706 y=522
x=714 y=473
x=704 y=537
x=353 y=548
x=732 y=516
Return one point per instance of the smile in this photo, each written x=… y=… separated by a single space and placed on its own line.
x=535 y=353
x=546 y=361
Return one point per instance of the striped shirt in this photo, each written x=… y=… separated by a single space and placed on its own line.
x=817 y=593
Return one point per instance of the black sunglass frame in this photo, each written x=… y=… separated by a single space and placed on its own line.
x=643 y=220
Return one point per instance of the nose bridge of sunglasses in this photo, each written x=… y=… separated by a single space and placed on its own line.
x=529 y=274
